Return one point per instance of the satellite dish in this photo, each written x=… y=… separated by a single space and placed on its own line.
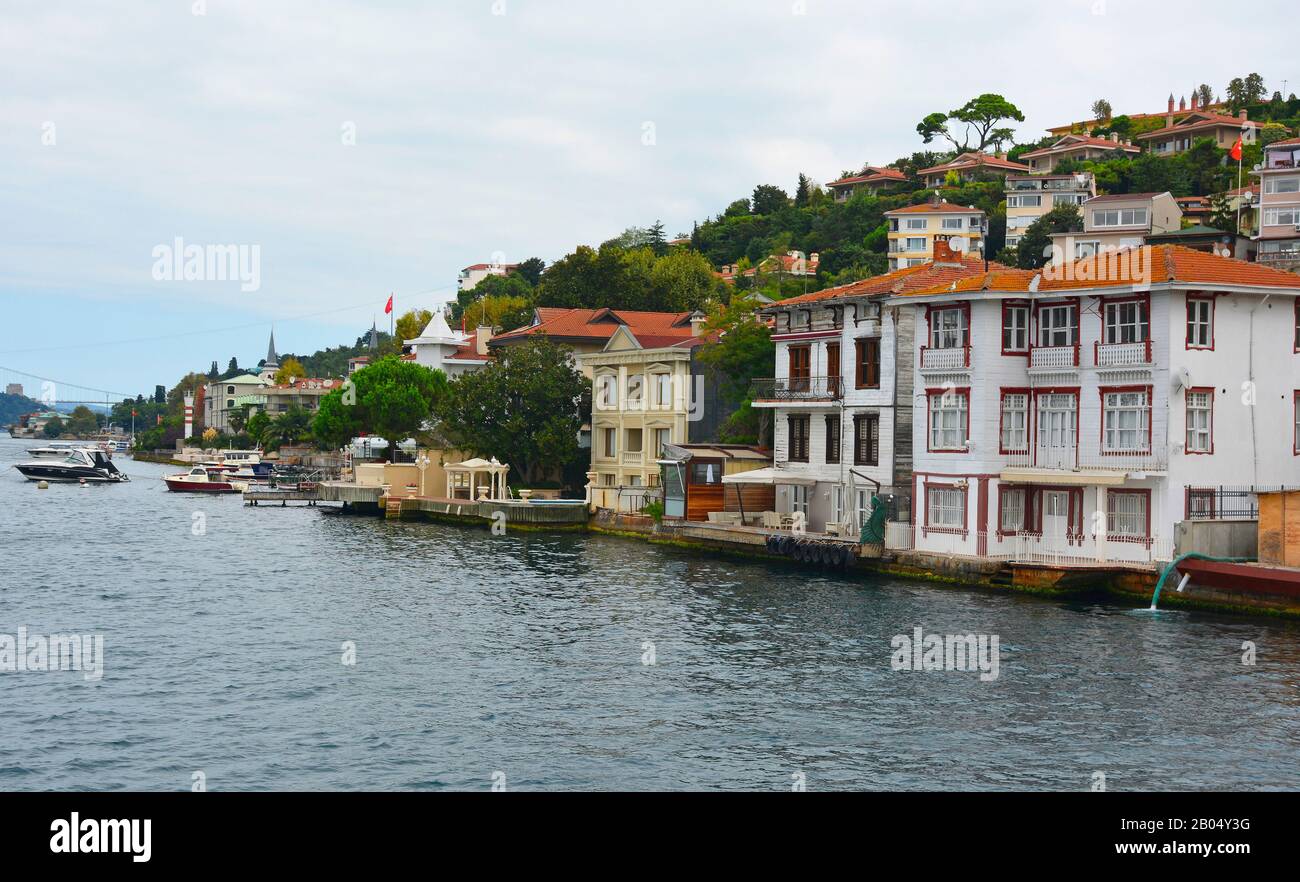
x=957 y=244
x=1182 y=379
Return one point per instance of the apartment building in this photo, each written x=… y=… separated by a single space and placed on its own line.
x=1029 y=197
x=971 y=166
x=841 y=399
x=872 y=179
x=1076 y=147
x=471 y=275
x=914 y=230
x=1119 y=221
x=1077 y=413
x=1278 y=201
x=222 y=399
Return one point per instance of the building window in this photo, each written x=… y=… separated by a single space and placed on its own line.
x=1114 y=217
x=633 y=441
x=1126 y=421
x=866 y=439
x=1282 y=185
x=800 y=368
x=867 y=373
x=945 y=508
x=1015 y=422
x=230 y=390
x=662 y=437
x=1127 y=322
x=1015 y=328
x=1200 y=323
x=230 y=403
x=948 y=328
x=799 y=499
x=635 y=389
x=1295 y=434
x=1200 y=420
x=798 y=429
x=1025 y=201
x=1011 y=509
x=833 y=438
x=606 y=392
x=706 y=472
x=1126 y=514
x=610 y=442
x=833 y=367
x=915 y=223
x=1057 y=325
x=952 y=223
x=948 y=419
x=1281 y=217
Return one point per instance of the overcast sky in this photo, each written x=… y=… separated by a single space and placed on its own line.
x=369 y=148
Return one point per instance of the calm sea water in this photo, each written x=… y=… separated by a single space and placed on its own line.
x=523 y=655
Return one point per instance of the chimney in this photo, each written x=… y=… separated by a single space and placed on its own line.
x=1114 y=137
x=1182 y=104
x=1001 y=156
x=482 y=334
x=936 y=199
x=1169 y=119
x=697 y=323
x=1241 y=115
x=1193 y=99
x=943 y=253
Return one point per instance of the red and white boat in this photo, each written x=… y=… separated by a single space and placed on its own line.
x=199 y=480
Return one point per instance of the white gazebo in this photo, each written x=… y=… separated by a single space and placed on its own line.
x=466 y=476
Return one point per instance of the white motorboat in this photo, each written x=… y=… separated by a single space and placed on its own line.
x=81 y=465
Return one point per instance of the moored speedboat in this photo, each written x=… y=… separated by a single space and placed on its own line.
x=80 y=465
x=199 y=480
x=57 y=449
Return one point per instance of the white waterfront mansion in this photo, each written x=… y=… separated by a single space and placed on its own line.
x=1076 y=414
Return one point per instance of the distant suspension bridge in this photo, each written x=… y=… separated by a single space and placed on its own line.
x=54 y=394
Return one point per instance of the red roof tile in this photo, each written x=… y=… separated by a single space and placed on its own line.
x=899 y=281
x=599 y=324
x=1198 y=120
x=974 y=159
x=1155 y=265
x=1077 y=141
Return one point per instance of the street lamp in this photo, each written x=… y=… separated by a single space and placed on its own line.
x=422 y=462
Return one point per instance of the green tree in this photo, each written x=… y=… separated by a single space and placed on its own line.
x=525 y=408
x=293 y=425
x=1101 y=110
x=768 y=199
x=290 y=369
x=1034 y=248
x=531 y=270
x=801 y=191
x=681 y=281
x=390 y=398
x=742 y=349
x=980 y=116
x=83 y=421
x=1204 y=95
x=506 y=313
x=411 y=323
x=655 y=238
x=53 y=427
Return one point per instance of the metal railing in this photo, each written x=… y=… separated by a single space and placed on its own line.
x=798 y=388
x=1224 y=503
x=952 y=358
x=1278 y=256
x=1121 y=354
x=1070 y=550
x=1090 y=459
x=628 y=500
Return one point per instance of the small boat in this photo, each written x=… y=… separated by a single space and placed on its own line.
x=57 y=449
x=199 y=480
x=238 y=460
x=80 y=465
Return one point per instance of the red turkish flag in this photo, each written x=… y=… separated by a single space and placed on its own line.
x=388 y=307
x=1235 y=152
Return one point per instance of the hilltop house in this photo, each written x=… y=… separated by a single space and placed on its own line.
x=1079 y=411
x=842 y=395
x=1076 y=147
x=914 y=230
x=1279 y=204
x=1119 y=221
x=792 y=263
x=872 y=179
x=1088 y=125
x=471 y=275
x=969 y=167
x=1029 y=197
x=1178 y=136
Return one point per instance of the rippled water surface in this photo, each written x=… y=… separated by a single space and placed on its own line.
x=523 y=654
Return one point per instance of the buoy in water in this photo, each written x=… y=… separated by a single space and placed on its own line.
x=42 y=485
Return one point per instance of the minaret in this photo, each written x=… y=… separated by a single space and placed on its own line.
x=272 y=364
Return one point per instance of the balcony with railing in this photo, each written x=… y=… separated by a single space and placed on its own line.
x=1052 y=358
x=786 y=390
x=1122 y=355
x=1289 y=255
x=633 y=457
x=952 y=358
x=1153 y=457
